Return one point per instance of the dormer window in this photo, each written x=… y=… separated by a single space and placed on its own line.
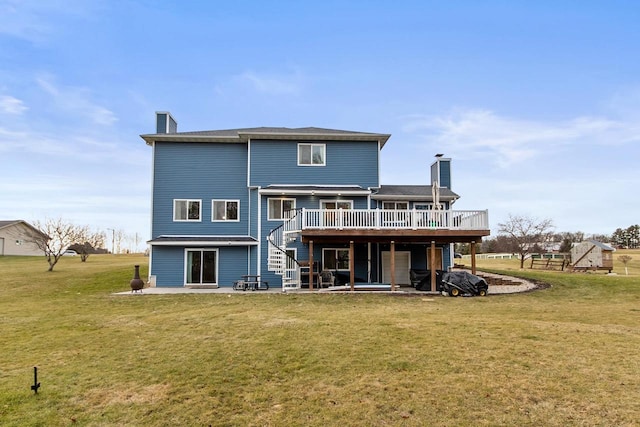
x=312 y=154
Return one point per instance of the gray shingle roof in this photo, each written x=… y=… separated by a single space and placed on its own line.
x=10 y=222
x=243 y=134
x=240 y=240
x=274 y=130
x=601 y=245
x=411 y=192
x=310 y=189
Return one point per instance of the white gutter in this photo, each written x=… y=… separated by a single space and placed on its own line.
x=205 y=242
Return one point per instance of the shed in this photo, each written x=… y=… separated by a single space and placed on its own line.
x=592 y=255
x=16 y=238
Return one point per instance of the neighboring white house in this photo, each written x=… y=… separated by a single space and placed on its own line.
x=15 y=238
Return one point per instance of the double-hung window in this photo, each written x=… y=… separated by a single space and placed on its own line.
x=225 y=210
x=278 y=208
x=395 y=205
x=336 y=204
x=187 y=210
x=312 y=154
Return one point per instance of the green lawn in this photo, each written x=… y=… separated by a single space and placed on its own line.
x=567 y=355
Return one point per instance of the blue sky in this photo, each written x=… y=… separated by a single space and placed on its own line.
x=537 y=103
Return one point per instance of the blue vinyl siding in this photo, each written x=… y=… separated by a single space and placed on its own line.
x=254 y=204
x=204 y=172
x=168 y=265
x=347 y=163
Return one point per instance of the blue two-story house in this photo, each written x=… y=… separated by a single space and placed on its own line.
x=289 y=204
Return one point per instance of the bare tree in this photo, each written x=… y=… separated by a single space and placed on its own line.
x=57 y=235
x=525 y=233
x=119 y=237
x=90 y=241
x=625 y=260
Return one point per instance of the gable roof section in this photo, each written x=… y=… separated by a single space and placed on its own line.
x=243 y=135
x=412 y=192
x=601 y=245
x=10 y=223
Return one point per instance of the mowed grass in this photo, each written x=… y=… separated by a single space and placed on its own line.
x=566 y=355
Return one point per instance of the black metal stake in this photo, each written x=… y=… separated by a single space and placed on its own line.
x=36 y=384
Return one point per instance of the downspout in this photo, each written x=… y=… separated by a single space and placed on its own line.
x=153 y=173
x=369 y=262
x=259 y=219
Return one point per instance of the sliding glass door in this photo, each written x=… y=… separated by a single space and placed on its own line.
x=201 y=267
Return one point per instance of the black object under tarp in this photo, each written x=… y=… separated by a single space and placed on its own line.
x=464 y=282
x=421 y=279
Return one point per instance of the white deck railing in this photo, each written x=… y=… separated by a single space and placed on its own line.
x=382 y=219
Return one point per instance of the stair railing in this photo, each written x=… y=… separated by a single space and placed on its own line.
x=279 y=261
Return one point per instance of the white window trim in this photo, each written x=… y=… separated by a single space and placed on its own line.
x=335 y=249
x=324 y=154
x=336 y=202
x=213 y=211
x=186 y=258
x=281 y=199
x=430 y=206
x=188 y=201
x=291 y=265
x=395 y=202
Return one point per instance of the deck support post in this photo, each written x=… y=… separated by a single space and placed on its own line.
x=310 y=265
x=352 y=266
x=393 y=265
x=369 y=262
x=432 y=265
x=473 y=257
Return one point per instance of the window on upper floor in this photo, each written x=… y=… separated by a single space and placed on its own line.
x=187 y=210
x=225 y=210
x=277 y=208
x=312 y=154
x=395 y=205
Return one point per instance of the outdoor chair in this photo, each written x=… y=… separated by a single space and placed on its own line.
x=327 y=279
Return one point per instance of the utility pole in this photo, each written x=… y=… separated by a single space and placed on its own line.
x=113 y=241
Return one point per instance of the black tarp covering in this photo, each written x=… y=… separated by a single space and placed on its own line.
x=466 y=282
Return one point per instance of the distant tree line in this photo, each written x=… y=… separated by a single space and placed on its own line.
x=628 y=238
x=524 y=235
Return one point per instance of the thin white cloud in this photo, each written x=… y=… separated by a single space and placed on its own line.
x=273 y=84
x=77 y=101
x=37 y=20
x=509 y=141
x=11 y=105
